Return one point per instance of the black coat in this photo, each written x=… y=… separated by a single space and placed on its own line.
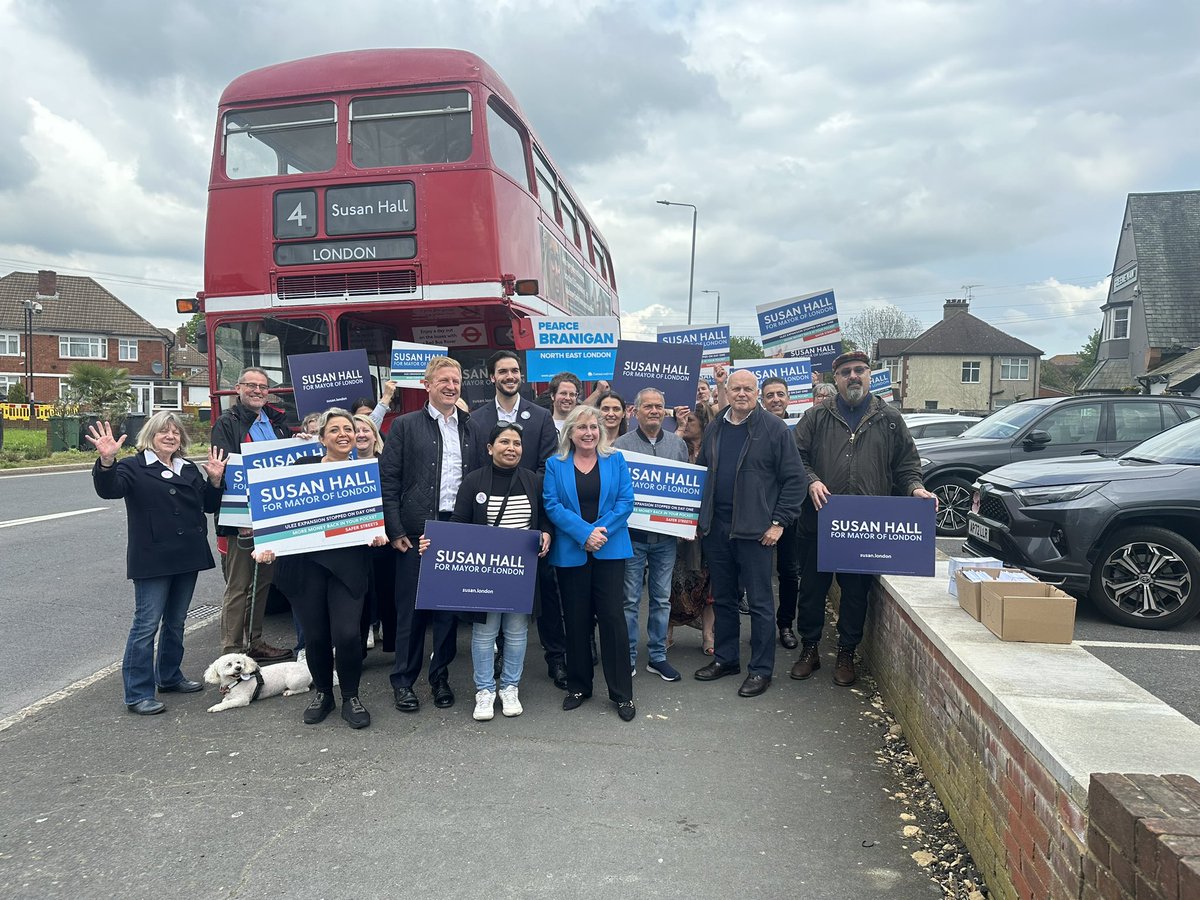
x=468 y=511
x=539 y=437
x=168 y=532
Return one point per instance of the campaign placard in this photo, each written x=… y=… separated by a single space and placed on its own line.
x=478 y=568
x=409 y=361
x=673 y=369
x=797 y=373
x=234 y=511
x=296 y=509
x=802 y=326
x=881 y=383
x=325 y=380
x=876 y=535
x=666 y=494
x=585 y=346
x=714 y=339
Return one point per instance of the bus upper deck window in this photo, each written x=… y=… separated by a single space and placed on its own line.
x=410 y=129
x=282 y=140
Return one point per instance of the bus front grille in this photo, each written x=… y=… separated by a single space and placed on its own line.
x=342 y=284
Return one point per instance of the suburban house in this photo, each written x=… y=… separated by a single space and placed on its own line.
x=960 y=364
x=190 y=363
x=73 y=319
x=1152 y=312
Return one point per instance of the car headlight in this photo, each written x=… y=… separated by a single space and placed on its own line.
x=1055 y=493
x=924 y=462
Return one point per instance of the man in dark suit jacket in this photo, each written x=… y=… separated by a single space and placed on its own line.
x=539 y=440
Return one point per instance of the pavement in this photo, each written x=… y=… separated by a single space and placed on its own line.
x=703 y=794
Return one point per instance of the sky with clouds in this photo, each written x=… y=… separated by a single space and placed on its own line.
x=894 y=150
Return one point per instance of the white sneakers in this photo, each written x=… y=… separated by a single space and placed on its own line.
x=485 y=702
x=510 y=703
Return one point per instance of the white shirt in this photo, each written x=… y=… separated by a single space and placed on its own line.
x=503 y=415
x=176 y=462
x=451 y=458
x=558 y=423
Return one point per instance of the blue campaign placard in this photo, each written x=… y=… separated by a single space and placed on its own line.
x=325 y=380
x=881 y=382
x=802 y=326
x=478 y=568
x=585 y=346
x=673 y=369
x=713 y=338
x=876 y=535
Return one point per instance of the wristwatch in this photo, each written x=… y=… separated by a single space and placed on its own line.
x=777 y=523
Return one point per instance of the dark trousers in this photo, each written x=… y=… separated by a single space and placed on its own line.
x=411 y=624
x=550 y=618
x=329 y=614
x=380 y=604
x=814 y=586
x=787 y=567
x=595 y=591
x=734 y=562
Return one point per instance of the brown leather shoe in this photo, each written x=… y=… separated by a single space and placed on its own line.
x=843 y=670
x=809 y=662
x=264 y=652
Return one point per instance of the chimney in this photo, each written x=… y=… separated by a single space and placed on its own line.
x=47 y=283
x=954 y=308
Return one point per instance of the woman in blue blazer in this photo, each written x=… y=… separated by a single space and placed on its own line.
x=589 y=497
x=166 y=497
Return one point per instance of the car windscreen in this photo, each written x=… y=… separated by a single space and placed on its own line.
x=1175 y=446
x=1006 y=422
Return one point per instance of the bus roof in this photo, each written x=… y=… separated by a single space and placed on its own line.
x=358 y=70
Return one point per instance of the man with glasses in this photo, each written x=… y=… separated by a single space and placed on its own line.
x=565 y=390
x=249 y=419
x=851 y=443
x=753 y=492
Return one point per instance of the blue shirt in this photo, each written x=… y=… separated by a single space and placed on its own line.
x=261 y=429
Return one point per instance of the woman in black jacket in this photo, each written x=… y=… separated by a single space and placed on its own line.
x=326 y=589
x=505 y=495
x=166 y=497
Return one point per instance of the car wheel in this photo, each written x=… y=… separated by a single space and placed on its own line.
x=1147 y=577
x=954 y=502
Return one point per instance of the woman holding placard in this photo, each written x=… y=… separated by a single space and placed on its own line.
x=326 y=589
x=589 y=498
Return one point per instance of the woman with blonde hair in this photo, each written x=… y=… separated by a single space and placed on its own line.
x=166 y=498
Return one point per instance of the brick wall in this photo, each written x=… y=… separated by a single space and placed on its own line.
x=1143 y=838
x=50 y=367
x=1130 y=837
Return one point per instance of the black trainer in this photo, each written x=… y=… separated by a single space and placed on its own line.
x=318 y=708
x=355 y=713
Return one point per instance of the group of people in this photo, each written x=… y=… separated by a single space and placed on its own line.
x=560 y=472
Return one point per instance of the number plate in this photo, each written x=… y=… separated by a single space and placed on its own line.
x=978 y=530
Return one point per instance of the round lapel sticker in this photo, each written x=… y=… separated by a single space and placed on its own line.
x=481 y=497
x=525 y=414
x=168 y=474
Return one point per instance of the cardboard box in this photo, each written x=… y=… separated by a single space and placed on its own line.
x=968 y=590
x=969 y=562
x=1017 y=611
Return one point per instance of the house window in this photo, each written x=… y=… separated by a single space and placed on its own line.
x=1014 y=368
x=931 y=404
x=127 y=350
x=72 y=346
x=1116 y=323
x=970 y=373
x=7 y=382
x=893 y=367
x=10 y=343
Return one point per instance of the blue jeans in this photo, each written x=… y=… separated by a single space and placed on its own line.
x=157 y=601
x=483 y=649
x=660 y=557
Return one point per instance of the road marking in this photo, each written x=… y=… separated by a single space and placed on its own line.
x=1138 y=645
x=87 y=681
x=62 y=515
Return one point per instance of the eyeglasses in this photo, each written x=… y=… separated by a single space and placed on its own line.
x=254 y=388
x=857 y=370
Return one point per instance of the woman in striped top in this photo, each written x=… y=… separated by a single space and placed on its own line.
x=503 y=495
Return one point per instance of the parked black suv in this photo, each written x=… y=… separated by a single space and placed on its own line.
x=1040 y=429
x=1123 y=531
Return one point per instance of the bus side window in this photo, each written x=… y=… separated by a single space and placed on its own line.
x=507 y=146
x=546 y=191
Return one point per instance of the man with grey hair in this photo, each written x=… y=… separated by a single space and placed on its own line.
x=250 y=418
x=653 y=554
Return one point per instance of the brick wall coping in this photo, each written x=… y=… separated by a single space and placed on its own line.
x=1075 y=714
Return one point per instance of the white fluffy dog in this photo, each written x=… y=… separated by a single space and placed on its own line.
x=243 y=680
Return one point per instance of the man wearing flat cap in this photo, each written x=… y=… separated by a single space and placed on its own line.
x=850 y=443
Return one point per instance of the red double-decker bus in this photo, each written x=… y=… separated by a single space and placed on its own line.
x=363 y=197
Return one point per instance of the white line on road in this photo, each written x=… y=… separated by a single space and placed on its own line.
x=62 y=515
x=33 y=708
x=1138 y=645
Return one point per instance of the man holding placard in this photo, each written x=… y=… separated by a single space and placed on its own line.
x=653 y=553
x=424 y=459
x=852 y=443
x=249 y=419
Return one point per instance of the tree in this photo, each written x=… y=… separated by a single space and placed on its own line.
x=1088 y=352
x=875 y=322
x=16 y=393
x=745 y=348
x=100 y=389
x=191 y=326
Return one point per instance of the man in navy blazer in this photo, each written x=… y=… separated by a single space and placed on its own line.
x=539 y=439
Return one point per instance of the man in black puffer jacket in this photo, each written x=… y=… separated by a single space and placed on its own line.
x=425 y=456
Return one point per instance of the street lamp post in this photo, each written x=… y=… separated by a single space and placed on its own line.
x=692 y=270
x=32 y=308
x=717 y=320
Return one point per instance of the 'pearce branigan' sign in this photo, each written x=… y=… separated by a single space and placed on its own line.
x=876 y=535
x=585 y=346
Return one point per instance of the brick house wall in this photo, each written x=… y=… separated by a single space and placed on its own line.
x=50 y=368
